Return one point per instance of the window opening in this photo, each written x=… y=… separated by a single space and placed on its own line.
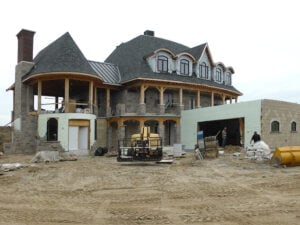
x=52 y=129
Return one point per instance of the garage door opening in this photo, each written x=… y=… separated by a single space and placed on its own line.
x=235 y=130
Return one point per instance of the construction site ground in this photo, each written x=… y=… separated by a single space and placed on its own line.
x=228 y=190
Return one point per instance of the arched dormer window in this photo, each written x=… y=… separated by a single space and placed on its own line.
x=293 y=126
x=52 y=129
x=203 y=71
x=184 y=67
x=218 y=77
x=162 y=64
x=275 y=126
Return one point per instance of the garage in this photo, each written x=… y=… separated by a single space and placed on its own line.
x=235 y=131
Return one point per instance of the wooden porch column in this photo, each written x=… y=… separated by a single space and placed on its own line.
x=95 y=101
x=107 y=98
x=230 y=99
x=180 y=96
x=142 y=93
x=212 y=103
x=39 y=96
x=198 y=99
x=161 y=95
x=236 y=99
x=66 y=100
x=91 y=93
x=223 y=98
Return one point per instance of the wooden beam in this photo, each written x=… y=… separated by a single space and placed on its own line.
x=39 y=96
x=107 y=97
x=67 y=96
x=91 y=93
x=180 y=96
x=198 y=99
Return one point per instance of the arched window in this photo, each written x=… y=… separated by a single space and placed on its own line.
x=219 y=75
x=203 y=71
x=275 y=126
x=293 y=126
x=162 y=63
x=184 y=67
x=52 y=129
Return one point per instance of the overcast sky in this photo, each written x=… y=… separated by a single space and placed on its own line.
x=260 y=39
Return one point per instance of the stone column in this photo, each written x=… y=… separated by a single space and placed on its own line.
x=161 y=131
x=121 y=132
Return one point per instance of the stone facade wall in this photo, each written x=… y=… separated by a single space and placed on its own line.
x=25 y=138
x=25 y=125
x=285 y=113
x=5 y=137
x=102 y=133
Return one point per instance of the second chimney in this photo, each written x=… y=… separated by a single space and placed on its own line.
x=25 y=45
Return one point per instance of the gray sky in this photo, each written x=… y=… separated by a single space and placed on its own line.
x=260 y=39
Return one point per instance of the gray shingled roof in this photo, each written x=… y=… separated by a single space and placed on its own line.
x=129 y=57
x=107 y=71
x=63 y=55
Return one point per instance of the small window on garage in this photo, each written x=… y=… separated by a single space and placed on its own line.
x=275 y=126
x=52 y=129
x=293 y=126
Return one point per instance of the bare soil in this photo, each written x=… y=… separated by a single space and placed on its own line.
x=98 y=190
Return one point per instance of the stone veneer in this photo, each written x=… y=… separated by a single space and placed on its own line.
x=285 y=113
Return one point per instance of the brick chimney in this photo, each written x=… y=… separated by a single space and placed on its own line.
x=25 y=45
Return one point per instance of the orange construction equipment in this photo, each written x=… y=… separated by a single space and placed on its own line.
x=287 y=155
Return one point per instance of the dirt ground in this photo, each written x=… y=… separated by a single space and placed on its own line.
x=98 y=190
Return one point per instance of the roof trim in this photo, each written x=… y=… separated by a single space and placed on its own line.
x=187 y=54
x=181 y=82
x=62 y=73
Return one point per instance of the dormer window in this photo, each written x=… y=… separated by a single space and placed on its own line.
x=184 y=67
x=162 y=64
x=228 y=78
x=218 y=77
x=203 y=71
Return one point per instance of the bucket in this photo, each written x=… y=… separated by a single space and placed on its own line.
x=287 y=155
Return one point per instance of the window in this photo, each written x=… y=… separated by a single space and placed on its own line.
x=184 y=67
x=275 y=126
x=203 y=70
x=218 y=75
x=293 y=126
x=52 y=129
x=162 y=63
x=228 y=78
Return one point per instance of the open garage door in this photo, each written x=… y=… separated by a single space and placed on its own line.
x=235 y=130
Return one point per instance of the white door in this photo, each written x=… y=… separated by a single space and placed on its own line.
x=73 y=137
x=83 y=138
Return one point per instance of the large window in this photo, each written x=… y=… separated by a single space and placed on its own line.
x=275 y=126
x=184 y=67
x=218 y=75
x=203 y=71
x=293 y=126
x=162 y=63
